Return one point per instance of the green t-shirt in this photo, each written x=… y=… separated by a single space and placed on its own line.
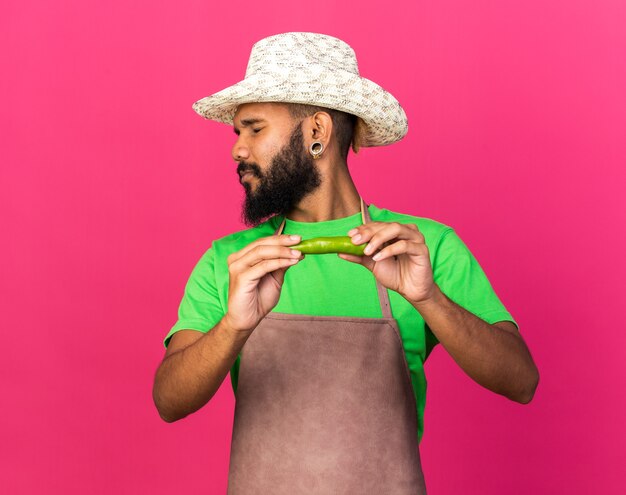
x=326 y=285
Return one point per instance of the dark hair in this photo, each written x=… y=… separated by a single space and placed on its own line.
x=345 y=124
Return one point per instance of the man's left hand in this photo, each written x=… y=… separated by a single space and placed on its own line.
x=397 y=256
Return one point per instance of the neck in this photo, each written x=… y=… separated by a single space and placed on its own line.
x=336 y=197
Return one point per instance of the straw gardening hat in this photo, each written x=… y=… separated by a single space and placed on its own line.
x=313 y=69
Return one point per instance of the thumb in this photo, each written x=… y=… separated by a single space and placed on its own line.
x=366 y=261
x=279 y=275
x=351 y=257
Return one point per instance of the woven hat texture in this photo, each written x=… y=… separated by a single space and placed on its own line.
x=313 y=69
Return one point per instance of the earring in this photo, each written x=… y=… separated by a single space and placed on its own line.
x=316 y=149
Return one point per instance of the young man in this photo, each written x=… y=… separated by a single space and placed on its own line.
x=326 y=352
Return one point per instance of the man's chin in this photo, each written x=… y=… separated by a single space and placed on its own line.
x=253 y=216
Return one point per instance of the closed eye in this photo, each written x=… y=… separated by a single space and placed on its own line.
x=256 y=130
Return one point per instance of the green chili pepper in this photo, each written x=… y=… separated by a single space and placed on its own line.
x=324 y=245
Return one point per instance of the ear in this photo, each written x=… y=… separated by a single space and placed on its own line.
x=318 y=127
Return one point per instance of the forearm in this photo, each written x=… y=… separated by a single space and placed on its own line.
x=493 y=357
x=186 y=380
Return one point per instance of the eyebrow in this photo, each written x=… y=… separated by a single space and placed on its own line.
x=247 y=122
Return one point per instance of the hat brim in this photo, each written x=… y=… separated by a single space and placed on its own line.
x=384 y=119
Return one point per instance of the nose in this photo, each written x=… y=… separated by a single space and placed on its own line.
x=240 y=151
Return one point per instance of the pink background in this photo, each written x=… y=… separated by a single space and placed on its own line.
x=111 y=188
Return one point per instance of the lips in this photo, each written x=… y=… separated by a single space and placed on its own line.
x=245 y=175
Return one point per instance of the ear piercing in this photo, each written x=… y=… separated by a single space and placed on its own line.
x=316 y=149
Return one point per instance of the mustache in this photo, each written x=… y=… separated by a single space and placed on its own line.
x=244 y=167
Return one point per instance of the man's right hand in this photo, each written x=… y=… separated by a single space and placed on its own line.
x=256 y=275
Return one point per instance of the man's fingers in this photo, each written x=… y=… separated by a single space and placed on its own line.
x=268 y=266
x=366 y=261
x=351 y=257
x=376 y=236
x=400 y=247
x=279 y=274
x=274 y=240
x=262 y=253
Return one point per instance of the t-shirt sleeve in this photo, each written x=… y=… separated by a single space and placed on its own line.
x=459 y=276
x=200 y=308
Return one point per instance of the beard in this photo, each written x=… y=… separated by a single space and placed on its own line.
x=291 y=175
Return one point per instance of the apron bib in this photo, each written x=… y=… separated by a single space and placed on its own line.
x=325 y=405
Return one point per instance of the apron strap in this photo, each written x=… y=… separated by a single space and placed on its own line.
x=383 y=295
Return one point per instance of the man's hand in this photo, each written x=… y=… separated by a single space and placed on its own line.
x=495 y=357
x=256 y=277
x=191 y=374
x=402 y=262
